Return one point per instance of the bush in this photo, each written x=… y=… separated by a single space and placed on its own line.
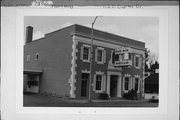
x=130 y=95
x=104 y=96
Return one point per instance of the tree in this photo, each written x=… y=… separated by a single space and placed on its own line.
x=150 y=63
x=154 y=66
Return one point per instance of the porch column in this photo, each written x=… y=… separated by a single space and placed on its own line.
x=108 y=84
x=119 y=87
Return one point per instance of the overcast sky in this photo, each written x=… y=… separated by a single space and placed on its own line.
x=144 y=29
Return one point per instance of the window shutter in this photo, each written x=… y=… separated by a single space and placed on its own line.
x=104 y=55
x=81 y=53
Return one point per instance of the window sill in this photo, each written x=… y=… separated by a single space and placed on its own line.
x=137 y=67
x=100 y=62
x=98 y=91
x=125 y=91
x=87 y=61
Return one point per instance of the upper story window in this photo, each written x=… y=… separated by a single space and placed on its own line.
x=37 y=56
x=137 y=61
x=28 y=58
x=100 y=55
x=85 y=53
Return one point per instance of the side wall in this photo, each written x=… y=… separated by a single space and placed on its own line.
x=54 y=59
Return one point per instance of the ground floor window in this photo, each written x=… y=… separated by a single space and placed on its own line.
x=136 y=84
x=126 y=83
x=98 y=82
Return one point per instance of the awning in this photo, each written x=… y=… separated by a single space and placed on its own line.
x=33 y=71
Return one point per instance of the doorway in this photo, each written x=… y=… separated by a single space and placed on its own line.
x=84 y=84
x=113 y=85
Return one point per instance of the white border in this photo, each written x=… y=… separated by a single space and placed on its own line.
x=163 y=60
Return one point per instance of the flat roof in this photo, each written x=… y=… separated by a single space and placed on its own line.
x=83 y=30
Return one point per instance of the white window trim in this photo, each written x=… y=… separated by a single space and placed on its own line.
x=103 y=55
x=139 y=62
x=139 y=79
x=129 y=85
x=36 y=56
x=82 y=52
x=85 y=71
x=102 y=82
x=28 y=58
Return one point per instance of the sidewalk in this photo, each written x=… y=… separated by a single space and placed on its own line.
x=105 y=101
x=36 y=100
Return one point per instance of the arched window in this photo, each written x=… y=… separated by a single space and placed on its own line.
x=37 y=56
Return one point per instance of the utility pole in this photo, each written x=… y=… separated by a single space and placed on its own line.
x=91 y=59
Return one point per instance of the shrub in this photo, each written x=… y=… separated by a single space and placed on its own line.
x=104 y=96
x=130 y=95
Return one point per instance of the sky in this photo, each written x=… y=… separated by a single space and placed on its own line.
x=145 y=29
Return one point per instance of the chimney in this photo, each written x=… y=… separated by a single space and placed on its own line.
x=29 y=34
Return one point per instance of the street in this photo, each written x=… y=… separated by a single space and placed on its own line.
x=34 y=100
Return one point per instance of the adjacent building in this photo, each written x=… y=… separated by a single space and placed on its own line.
x=59 y=63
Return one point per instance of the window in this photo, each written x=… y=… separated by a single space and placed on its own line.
x=137 y=61
x=136 y=84
x=28 y=57
x=100 y=55
x=98 y=82
x=37 y=56
x=116 y=57
x=85 y=53
x=126 y=84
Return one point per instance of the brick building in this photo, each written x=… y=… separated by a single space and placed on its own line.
x=59 y=63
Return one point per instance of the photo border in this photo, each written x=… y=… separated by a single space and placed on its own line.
x=163 y=60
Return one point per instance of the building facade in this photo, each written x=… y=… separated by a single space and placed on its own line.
x=59 y=63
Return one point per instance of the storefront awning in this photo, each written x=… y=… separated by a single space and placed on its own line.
x=33 y=71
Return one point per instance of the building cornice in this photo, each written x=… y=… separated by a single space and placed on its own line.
x=107 y=40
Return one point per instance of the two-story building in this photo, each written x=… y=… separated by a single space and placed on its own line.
x=59 y=63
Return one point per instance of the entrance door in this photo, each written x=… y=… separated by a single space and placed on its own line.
x=113 y=85
x=84 y=84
